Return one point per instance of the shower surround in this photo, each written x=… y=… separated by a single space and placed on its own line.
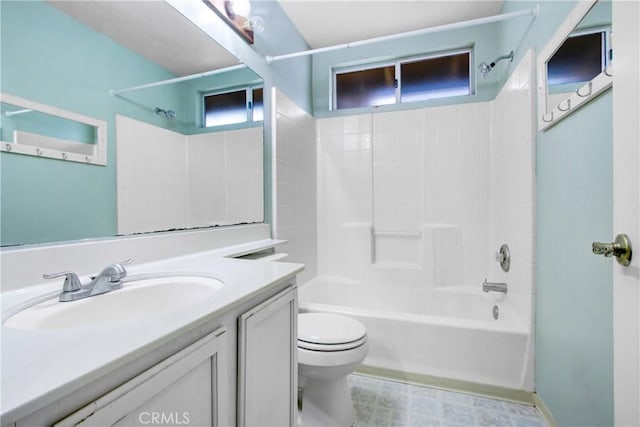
x=414 y=205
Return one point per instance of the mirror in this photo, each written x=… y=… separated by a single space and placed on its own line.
x=68 y=60
x=575 y=65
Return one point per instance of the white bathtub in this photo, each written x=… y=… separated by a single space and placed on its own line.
x=442 y=333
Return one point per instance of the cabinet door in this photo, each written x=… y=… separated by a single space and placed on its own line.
x=184 y=389
x=267 y=364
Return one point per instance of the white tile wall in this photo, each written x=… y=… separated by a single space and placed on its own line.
x=461 y=175
x=512 y=183
x=151 y=197
x=424 y=170
x=295 y=211
x=244 y=177
x=187 y=181
x=207 y=178
x=344 y=195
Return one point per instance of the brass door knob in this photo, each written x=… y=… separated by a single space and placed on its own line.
x=620 y=248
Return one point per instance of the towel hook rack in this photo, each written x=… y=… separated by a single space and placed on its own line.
x=567 y=108
x=589 y=87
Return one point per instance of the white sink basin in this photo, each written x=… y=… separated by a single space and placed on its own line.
x=137 y=299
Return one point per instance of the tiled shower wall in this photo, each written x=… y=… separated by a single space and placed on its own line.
x=188 y=180
x=428 y=195
x=512 y=183
x=420 y=179
x=295 y=184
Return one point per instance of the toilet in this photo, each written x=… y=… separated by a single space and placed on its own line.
x=330 y=347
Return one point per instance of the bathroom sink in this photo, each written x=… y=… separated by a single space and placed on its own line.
x=136 y=300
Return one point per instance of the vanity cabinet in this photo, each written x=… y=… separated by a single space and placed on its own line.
x=186 y=388
x=237 y=368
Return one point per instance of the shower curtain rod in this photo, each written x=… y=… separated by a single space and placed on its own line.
x=456 y=25
x=178 y=79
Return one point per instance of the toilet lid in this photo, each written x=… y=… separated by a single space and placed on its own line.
x=329 y=329
x=332 y=347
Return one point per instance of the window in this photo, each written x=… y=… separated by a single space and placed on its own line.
x=366 y=88
x=441 y=77
x=580 y=58
x=239 y=106
x=412 y=80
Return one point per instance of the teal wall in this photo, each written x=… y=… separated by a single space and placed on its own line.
x=574 y=307
x=574 y=330
x=292 y=77
x=484 y=39
x=43 y=124
x=50 y=58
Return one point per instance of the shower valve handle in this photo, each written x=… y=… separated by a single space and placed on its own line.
x=503 y=257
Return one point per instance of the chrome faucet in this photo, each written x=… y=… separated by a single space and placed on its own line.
x=495 y=287
x=109 y=279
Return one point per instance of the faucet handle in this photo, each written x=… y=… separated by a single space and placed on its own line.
x=71 y=281
x=117 y=271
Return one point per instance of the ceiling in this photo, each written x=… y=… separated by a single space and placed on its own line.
x=158 y=32
x=329 y=22
x=153 y=29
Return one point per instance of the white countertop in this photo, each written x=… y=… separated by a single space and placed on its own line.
x=41 y=366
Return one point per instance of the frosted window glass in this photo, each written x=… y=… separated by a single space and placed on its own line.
x=439 y=77
x=366 y=88
x=225 y=108
x=579 y=59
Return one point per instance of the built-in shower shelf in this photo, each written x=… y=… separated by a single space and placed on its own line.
x=396 y=249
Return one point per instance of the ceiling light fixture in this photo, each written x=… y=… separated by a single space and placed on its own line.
x=238 y=7
x=237 y=13
x=242 y=8
x=256 y=24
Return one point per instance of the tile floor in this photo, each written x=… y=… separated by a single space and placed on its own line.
x=394 y=404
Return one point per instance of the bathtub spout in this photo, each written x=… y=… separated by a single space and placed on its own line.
x=495 y=287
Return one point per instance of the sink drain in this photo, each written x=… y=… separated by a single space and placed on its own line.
x=496 y=312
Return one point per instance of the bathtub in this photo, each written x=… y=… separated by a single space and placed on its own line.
x=445 y=333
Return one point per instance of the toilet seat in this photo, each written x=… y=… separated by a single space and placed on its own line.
x=331 y=347
x=329 y=332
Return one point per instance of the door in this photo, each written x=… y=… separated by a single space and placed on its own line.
x=626 y=211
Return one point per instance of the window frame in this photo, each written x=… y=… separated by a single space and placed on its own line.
x=357 y=68
x=249 y=104
x=397 y=63
x=605 y=55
